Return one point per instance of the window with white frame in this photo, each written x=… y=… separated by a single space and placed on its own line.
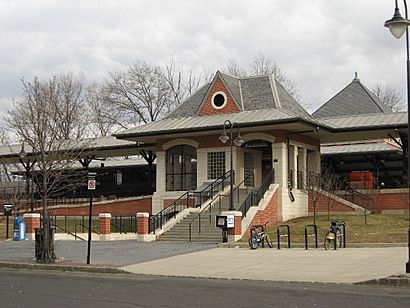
x=216 y=165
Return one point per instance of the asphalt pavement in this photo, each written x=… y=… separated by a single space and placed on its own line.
x=204 y=260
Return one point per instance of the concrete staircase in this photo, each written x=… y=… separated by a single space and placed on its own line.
x=209 y=232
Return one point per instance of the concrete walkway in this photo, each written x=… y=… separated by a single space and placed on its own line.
x=350 y=265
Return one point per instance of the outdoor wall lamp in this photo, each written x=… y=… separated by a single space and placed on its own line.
x=397 y=26
x=238 y=142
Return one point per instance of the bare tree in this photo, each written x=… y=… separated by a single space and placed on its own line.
x=69 y=107
x=104 y=118
x=144 y=93
x=390 y=96
x=331 y=184
x=262 y=65
x=33 y=118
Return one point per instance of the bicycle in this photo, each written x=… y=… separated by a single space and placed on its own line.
x=257 y=238
x=334 y=235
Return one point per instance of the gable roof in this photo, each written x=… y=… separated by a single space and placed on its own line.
x=354 y=99
x=249 y=93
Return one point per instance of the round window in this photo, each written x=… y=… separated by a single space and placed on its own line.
x=219 y=100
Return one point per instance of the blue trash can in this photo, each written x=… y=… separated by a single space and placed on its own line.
x=19 y=230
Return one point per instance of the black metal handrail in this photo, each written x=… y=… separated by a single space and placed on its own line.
x=255 y=197
x=124 y=224
x=194 y=198
x=69 y=233
x=209 y=206
x=356 y=197
x=84 y=227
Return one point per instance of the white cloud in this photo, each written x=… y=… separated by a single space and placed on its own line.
x=318 y=43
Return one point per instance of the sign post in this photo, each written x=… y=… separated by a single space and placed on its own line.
x=91 y=187
x=7 y=212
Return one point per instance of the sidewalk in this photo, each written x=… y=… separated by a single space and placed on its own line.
x=349 y=265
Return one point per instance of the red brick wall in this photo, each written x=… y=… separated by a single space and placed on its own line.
x=104 y=225
x=32 y=224
x=168 y=202
x=142 y=225
x=322 y=205
x=208 y=109
x=389 y=201
x=269 y=214
x=128 y=207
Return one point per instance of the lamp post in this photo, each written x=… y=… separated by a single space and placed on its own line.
x=28 y=166
x=238 y=142
x=397 y=26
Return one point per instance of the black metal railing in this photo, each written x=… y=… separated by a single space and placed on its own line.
x=356 y=197
x=255 y=197
x=209 y=207
x=74 y=224
x=124 y=224
x=188 y=199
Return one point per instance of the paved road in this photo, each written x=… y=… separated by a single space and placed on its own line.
x=115 y=253
x=46 y=289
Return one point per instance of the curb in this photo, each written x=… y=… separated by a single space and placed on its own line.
x=63 y=267
x=302 y=245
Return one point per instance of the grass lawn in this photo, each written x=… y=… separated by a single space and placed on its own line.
x=379 y=228
x=3 y=228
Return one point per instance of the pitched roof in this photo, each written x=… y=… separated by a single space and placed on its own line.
x=196 y=123
x=249 y=93
x=354 y=99
x=366 y=121
x=359 y=148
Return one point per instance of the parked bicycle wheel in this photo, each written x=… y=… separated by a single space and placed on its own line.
x=253 y=242
x=268 y=241
x=329 y=240
x=338 y=241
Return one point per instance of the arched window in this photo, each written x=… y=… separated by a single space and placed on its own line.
x=181 y=168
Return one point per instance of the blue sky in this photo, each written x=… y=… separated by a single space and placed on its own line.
x=319 y=44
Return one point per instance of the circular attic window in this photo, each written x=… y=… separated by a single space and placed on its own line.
x=219 y=100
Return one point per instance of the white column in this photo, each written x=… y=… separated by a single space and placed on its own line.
x=293 y=162
x=302 y=164
x=280 y=163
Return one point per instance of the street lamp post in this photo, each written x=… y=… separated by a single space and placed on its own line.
x=28 y=166
x=238 y=142
x=397 y=26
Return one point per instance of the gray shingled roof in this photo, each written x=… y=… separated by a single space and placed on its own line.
x=232 y=84
x=380 y=147
x=257 y=93
x=253 y=93
x=354 y=99
x=191 y=105
x=397 y=119
x=288 y=102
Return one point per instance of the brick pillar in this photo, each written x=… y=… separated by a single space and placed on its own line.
x=32 y=221
x=143 y=228
x=235 y=233
x=104 y=226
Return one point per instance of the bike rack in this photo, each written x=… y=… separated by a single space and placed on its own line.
x=279 y=234
x=344 y=233
x=310 y=235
